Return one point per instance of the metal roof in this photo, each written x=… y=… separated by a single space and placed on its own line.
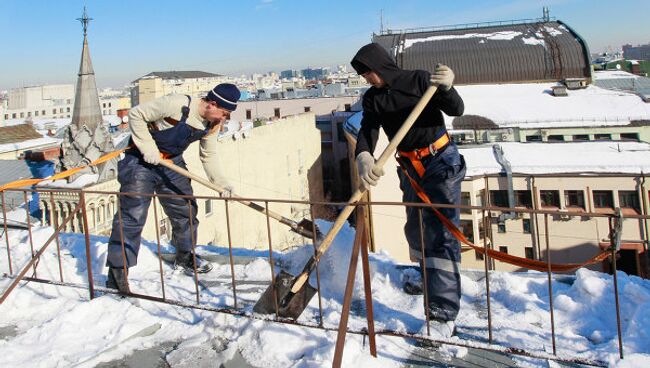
x=18 y=133
x=13 y=170
x=510 y=53
x=181 y=74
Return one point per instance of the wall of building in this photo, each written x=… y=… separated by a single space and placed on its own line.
x=267 y=109
x=48 y=101
x=572 y=239
x=151 y=88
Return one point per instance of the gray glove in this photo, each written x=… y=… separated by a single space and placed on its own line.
x=151 y=156
x=443 y=77
x=369 y=173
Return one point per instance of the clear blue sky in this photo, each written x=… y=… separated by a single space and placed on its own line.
x=41 y=40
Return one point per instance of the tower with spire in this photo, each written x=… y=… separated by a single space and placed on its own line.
x=87 y=138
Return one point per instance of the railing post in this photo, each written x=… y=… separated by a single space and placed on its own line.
x=4 y=217
x=550 y=282
x=615 y=241
x=82 y=204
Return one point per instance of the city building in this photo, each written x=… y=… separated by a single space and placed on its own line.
x=639 y=52
x=35 y=102
x=158 y=84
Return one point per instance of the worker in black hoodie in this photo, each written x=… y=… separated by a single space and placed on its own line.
x=430 y=158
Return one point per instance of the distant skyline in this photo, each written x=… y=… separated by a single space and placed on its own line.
x=128 y=39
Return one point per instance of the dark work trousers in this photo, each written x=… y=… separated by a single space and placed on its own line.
x=441 y=181
x=136 y=176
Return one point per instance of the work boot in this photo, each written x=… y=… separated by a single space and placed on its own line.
x=118 y=279
x=439 y=329
x=185 y=261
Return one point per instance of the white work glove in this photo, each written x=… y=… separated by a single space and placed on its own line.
x=443 y=77
x=369 y=173
x=227 y=192
x=151 y=156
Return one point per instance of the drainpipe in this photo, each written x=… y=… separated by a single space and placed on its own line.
x=505 y=164
x=534 y=227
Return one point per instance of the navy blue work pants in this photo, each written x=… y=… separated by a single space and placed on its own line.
x=441 y=181
x=136 y=176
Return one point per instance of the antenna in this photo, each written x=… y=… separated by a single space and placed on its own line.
x=381 y=21
x=84 y=21
x=546 y=16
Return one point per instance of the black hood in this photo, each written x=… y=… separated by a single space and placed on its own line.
x=374 y=57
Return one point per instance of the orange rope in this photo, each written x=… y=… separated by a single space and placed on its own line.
x=61 y=175
x=504 y=257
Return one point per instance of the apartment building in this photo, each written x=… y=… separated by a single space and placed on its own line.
x=158 y=84
x=46 y=101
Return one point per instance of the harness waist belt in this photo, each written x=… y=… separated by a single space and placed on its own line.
x=418 y=154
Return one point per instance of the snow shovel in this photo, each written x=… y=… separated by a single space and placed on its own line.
x=293 y=293
x=304 y=227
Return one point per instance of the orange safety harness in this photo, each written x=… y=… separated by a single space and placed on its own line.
x=62 y=174
x=504 y=257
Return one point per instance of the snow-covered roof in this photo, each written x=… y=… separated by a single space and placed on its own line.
x=533 y=106
x=236 y=129
x=559 y=158
x=32 y=143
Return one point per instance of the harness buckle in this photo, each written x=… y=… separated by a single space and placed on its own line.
x=432 y=150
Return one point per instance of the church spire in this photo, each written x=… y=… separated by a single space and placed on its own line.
x=86 y=103
x=86 y=138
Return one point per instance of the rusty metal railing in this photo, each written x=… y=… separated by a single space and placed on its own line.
x=360 y=247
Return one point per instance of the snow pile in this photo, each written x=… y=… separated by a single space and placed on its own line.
x=57 y=326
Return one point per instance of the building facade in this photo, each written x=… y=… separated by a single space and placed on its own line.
x=47 y=101
x=158 y=84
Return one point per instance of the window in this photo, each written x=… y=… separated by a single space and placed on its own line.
x=348 y=107
x=529 y=252
x=630 y=136
x=6 y=116
x=249 y=114
x=61 y=110
x=29 y=113
x=556 y=138
x=574 y=198
x=603 y=199
x=67 y=109
x=109 y=104
x=533 y=138
x=523 y=199
x=550 y=198
x=501 y=227
x=36 y=113
x=53 y=111
x=467 y=227
x=13 y=116
x=307 y=108
x=43 y=112
x=499 y=198
x=503 y=249
x=69 y=101
x=22 y=114
x=525 y=223
x=465 y=201
x=276 y=112
x=478 y=256
x=104 y=105
x=208 y=207
x=581 y=137
x=163 y=226
x=603 y=137
x=629 y=199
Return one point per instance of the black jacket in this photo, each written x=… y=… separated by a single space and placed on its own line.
x=390 y=105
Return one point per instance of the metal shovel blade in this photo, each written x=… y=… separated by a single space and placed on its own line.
x=289 y=305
